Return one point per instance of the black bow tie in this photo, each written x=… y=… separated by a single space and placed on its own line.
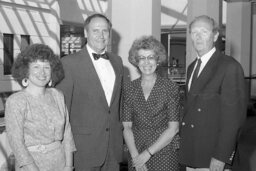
x=97 y=56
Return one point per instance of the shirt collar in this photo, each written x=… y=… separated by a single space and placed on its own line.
x=205 y=58
x=90 y=51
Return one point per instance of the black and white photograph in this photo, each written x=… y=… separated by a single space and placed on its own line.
x=127 y=85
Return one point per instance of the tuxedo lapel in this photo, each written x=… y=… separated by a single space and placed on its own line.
x=91 y=74
x=118 y=74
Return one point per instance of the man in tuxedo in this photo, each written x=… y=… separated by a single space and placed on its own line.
x=92 y=88
x=215 y=107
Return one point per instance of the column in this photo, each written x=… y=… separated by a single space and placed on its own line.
x=132 y=19
x=238 y=35
x=253 y=50
x=201 y=7
x=238 y=32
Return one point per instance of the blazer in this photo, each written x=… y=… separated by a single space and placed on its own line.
x=215 y=110
x=96 y=126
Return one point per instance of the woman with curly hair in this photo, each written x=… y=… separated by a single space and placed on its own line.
x=37 y=121
x=150 y=111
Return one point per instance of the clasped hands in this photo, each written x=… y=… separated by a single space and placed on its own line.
x=139 y=161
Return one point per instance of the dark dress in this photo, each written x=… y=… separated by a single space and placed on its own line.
x=150 y=118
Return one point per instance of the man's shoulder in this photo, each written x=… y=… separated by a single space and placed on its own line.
x=74 y=58
x=229 y=61
x=191 y=64
x=114 y=56
x=228 y=64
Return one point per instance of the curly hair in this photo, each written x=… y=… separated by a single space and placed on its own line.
x=146 y=43
x=33 y=53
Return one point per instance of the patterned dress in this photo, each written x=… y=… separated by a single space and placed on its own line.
x=32 y=121
x=150 y=118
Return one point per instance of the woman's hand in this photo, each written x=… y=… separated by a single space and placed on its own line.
x=30 y=167
x=143 y=168
x=141 y=159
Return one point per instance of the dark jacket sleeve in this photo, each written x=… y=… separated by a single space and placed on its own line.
x=233 y=111
x=66 y=85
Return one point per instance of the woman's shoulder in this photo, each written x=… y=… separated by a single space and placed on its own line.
x=136 y=83
x=56 y=92
x=167 y=82
x=17 y=98
x=132 y=84
x=17 y=95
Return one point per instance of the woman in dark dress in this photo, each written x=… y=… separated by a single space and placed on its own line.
x=150 y=111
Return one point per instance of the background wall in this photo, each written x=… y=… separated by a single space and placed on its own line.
x=36 y=19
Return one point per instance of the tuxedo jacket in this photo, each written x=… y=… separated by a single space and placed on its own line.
x=215 y=110
x=95 y=125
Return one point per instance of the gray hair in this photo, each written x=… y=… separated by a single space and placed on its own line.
x=147 y=43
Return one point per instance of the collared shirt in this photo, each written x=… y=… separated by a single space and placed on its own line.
x=205 y=58
x=105 y=73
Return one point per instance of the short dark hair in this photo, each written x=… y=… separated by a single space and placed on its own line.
x=33 y=53
x=96 y=15
x=211 y=21
x=147 y=43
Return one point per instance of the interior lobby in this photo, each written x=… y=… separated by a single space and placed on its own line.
x=59 y=24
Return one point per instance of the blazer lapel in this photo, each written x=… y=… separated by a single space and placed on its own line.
x=190 y=70
x=206 y=73
x=202 y=80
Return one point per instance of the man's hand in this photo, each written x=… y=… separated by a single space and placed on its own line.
x=216 y=165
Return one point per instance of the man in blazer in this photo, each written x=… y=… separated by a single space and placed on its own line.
x=215 y=106
x=92 y=88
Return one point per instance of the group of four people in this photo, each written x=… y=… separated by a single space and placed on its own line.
x=89 y=89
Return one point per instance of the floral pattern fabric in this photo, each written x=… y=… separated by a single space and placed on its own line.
x=38 y=120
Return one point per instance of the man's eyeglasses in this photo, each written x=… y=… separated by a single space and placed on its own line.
x=149 y=58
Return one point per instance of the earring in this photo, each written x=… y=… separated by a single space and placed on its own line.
x=24 y=82
x=50 y=83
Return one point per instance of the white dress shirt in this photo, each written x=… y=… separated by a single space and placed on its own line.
x=205 y=58
x=105 y=73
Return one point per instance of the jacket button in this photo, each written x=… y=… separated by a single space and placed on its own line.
x=192 y=126
x=183 y=123
x=107 y=129
x=199 y=110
